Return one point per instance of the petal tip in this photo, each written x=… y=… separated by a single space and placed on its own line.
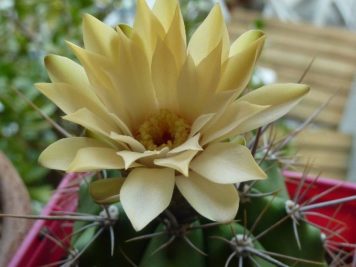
x=48 y=59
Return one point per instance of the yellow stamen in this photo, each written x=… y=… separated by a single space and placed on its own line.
x=163 y=128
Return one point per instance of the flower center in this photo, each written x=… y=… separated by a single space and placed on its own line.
x=163 y=128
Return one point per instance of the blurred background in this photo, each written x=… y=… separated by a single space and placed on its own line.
x=31 y=29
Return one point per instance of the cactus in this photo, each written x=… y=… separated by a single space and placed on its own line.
x=249 y=240
x=270 y=229
x=168 y=126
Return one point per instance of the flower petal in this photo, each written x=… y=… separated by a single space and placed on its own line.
x=62 y=69
x=60 y=154
x=165 y=85
x=199 y=123
x=280 y=97
x=208 y=35
x=146 y=193
x=130 y=157
x=97 y=35
x=207 y=75
x=147 y=26
x=220 y=100
x=217 y=202
x=70 y=98
x=179 y=162
x=91 y=121
x=234 y=115
x=95 y=158
x=132 y=69
x=188 y=90
x=164 y=11
x=194 y=95
x=106 y=191
x=238 y=68
x=175 y=37
x=98 y=69
x=132 y=142
x=227 y=163
x=245 y=41
x=192 y=143
x=208 y=71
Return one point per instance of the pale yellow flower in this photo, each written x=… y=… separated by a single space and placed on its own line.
x=162 y=109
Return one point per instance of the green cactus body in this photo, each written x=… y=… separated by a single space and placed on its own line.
x=279 y=240
x=282 y=238
x=99 y=252
x=177 y=254
x=275 y=181
x=219 y=251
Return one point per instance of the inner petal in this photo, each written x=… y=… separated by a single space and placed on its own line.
x=163 y=129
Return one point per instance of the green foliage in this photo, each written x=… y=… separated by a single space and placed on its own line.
x=29 y=30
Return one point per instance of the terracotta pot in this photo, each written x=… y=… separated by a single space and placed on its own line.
x=14 y=199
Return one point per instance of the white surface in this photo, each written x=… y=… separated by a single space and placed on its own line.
x=348 y=125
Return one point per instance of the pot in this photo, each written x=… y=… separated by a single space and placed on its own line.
x=35 y=251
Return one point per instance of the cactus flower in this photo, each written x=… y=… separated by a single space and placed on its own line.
x=162 y=108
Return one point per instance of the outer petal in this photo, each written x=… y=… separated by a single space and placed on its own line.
x=217 y=202
x=62 y=69
x=98 y=69
x=95 y=158
x=178 y=162
x=164 y=11
x=147 y=26
x=233 y=116
x=280 y=97
x=227 y=163
x=220 y=100
x=60 y=154
x=95 y=66
x=97 y=35
x=106 y=191
x=237 y=69
x=92 y=122
x=70 y=98
x=209 y=34
x=245 y=41
x=168 y=12
x=146 y=193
